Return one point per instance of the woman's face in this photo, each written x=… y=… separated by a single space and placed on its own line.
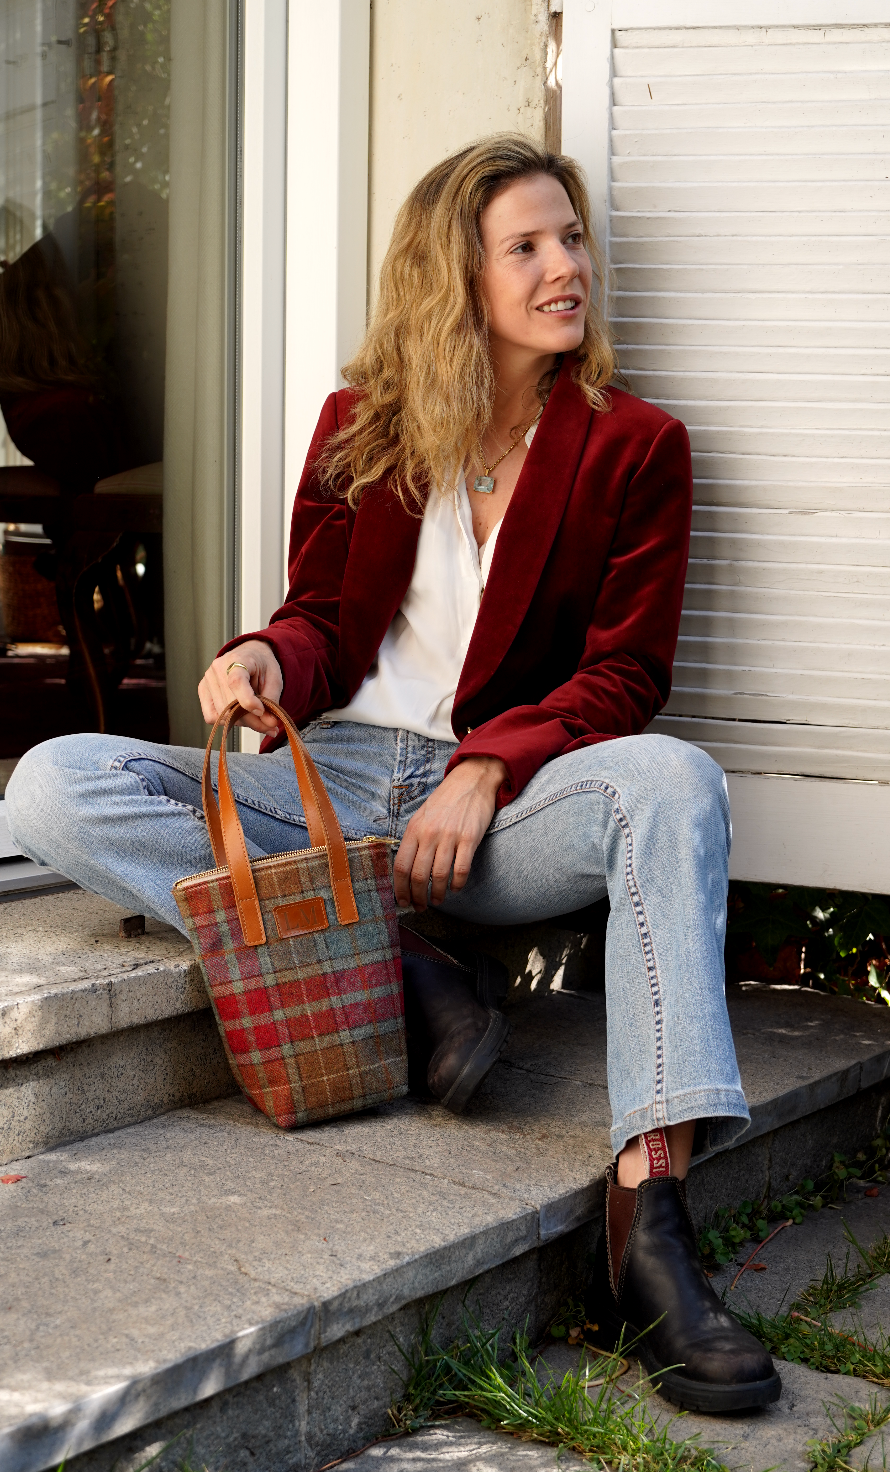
x=537 y=273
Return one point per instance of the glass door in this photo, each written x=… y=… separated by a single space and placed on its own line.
x=117 y=288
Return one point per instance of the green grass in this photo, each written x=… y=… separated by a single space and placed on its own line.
x=836 y=1291
x=495 y=1380
x=802 y=1336
x=856 y=1424
x=805 y=1341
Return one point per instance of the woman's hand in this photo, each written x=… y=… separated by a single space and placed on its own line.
x=253 y=670
x=447 y=831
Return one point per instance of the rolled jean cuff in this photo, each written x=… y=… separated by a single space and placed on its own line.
x=723 y=1112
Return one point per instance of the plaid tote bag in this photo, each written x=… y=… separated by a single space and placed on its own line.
x=300 y=953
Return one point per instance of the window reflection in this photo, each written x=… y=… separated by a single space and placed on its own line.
x=84 y=184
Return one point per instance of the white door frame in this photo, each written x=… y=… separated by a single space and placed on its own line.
x=787 y=830
x=329 y=61
x=304 y=259
x=264 y=155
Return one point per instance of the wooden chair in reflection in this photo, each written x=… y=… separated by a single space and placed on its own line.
x=121 y=508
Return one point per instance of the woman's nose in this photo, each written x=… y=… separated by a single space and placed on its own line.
x=561 y=264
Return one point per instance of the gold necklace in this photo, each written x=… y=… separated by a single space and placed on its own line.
x=484 y=484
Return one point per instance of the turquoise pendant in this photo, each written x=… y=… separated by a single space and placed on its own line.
x=484 y=484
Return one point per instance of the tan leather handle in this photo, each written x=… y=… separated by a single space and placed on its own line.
x=227 y=835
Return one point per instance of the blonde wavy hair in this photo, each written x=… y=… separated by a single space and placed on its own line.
x=424 y=373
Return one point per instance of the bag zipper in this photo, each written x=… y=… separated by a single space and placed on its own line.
x=293 y=853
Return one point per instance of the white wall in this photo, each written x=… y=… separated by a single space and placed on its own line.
x=442 y=75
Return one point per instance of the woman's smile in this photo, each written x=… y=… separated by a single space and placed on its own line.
x=564 y=305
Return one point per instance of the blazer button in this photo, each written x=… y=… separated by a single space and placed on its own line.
x=469 y=730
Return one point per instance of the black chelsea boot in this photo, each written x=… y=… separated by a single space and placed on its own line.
x=454 y=1026
x=648 y=1277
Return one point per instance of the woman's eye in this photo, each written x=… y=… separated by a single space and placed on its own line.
x=574 y=238
x=524 y=246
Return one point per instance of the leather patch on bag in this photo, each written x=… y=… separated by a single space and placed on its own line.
x=301 y=917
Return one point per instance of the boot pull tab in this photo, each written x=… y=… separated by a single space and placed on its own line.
x=655 y=1153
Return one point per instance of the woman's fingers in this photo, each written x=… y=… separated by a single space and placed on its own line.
x=414 y=863
x=239 y=682
x=421 y=871
x=423 y=868
x=463 y=860
x=208 y=704
x=443 y=835
x=413 y=867
x=242 y=675
x=441 y=869
x=401 y=876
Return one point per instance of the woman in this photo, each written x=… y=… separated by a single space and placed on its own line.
x=487 y=565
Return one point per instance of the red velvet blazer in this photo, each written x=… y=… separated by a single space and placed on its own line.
x=576 y=634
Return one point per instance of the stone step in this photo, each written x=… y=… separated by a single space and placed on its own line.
x=98 y=1031
x=205 y=1276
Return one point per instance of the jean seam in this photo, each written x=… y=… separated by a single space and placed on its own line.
x=120 y=764
x=730 y=1092
x=590 y=785
x=398 y=770
x=699 y=1103
x=646 y=943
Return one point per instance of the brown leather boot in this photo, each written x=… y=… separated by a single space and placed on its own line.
x=453 y=1039
x=648 y=1280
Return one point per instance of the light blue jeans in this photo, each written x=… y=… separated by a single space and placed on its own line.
x=644 y=819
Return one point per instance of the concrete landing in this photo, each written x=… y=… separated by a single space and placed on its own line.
x=205 y=1272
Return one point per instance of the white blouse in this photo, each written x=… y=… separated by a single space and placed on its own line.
x=412 y=683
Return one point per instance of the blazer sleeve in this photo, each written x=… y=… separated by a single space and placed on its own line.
x=305 y=631
x=624 y=675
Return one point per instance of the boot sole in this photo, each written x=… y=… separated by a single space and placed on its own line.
x=480 y=1063
x=695 y=1395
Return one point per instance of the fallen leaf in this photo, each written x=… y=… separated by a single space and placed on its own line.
x=11 y=1180
x=758 y=1267
x=873 y=1191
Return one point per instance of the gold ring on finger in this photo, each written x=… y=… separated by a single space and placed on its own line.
x=236 y=665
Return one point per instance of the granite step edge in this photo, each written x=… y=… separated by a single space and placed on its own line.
x=53 y=1016
x=42 y=1441
x=791 y=1105
x=39 y=1442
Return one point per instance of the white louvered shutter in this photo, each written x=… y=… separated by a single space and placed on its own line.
x=750 y=235
x=748 y=215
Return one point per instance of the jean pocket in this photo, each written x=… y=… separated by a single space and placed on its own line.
x=315 y=729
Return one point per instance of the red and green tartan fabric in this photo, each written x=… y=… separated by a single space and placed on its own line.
x=313 y=1023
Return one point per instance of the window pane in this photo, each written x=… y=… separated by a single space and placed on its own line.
x=115 y=148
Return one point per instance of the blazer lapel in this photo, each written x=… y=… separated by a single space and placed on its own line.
x=530 y=526
x=382 y=552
